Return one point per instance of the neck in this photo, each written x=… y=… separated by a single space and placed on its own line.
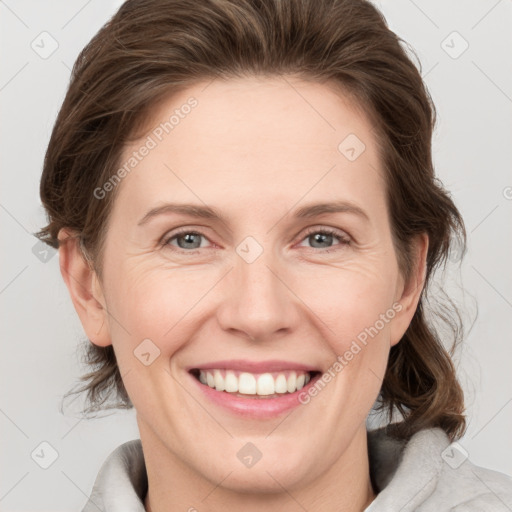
x=344 y=487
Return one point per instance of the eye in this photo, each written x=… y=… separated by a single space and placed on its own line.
x=322 y=238
x=185 y=240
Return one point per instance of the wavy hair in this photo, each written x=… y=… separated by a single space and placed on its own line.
x=152 y=48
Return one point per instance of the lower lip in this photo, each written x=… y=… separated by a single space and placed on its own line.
x=259 y=408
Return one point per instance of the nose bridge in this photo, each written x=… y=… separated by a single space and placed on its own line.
x=257 y=282
x=256 y=302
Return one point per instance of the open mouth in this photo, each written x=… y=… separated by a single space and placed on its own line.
x=254 y=385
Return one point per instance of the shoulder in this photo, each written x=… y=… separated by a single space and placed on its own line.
x=427 y=473
x=468 y=487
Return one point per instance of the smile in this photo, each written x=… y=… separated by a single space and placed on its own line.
x=255 y=390
x=254 y=384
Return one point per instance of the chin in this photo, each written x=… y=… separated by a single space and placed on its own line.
x=262 y=467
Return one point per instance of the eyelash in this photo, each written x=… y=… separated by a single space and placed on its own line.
x=340 y=235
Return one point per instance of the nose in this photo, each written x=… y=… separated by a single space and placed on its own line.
x=258 y=302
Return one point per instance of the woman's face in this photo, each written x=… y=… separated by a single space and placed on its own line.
x=255 y=276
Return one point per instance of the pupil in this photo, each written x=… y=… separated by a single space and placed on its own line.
x=322 y=238
x=188 y=237
x=318 y=238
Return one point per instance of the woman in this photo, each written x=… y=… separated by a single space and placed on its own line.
x=244 y=202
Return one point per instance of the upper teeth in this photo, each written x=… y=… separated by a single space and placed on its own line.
x=254 y=384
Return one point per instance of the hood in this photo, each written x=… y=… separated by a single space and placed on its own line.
x=425 y=473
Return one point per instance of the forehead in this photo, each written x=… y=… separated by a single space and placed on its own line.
x=250 y=139
x=238 y=111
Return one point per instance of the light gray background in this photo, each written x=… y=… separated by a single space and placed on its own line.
x=40 y=329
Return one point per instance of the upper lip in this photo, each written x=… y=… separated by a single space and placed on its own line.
x=254 y=366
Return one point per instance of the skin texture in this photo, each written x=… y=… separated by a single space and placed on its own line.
x=256 y=149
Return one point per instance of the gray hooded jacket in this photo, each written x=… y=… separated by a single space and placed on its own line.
x=424 y=474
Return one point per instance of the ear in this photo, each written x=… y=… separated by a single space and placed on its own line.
x=408 y=293
x=84 y=288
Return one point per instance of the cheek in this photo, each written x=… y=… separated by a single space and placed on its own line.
x=155 y=304
x=160 y=302
x=149 y=324
x=353 y=303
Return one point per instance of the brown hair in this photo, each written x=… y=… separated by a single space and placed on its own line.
x=151 y=48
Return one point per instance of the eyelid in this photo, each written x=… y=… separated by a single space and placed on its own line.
x=344 y=238
x=170 y=235
x=327 y=229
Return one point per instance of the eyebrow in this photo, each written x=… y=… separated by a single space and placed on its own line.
x=206 y=212
x=314 y=210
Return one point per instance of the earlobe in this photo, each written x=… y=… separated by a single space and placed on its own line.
x=84 y=288
x=409 y=293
